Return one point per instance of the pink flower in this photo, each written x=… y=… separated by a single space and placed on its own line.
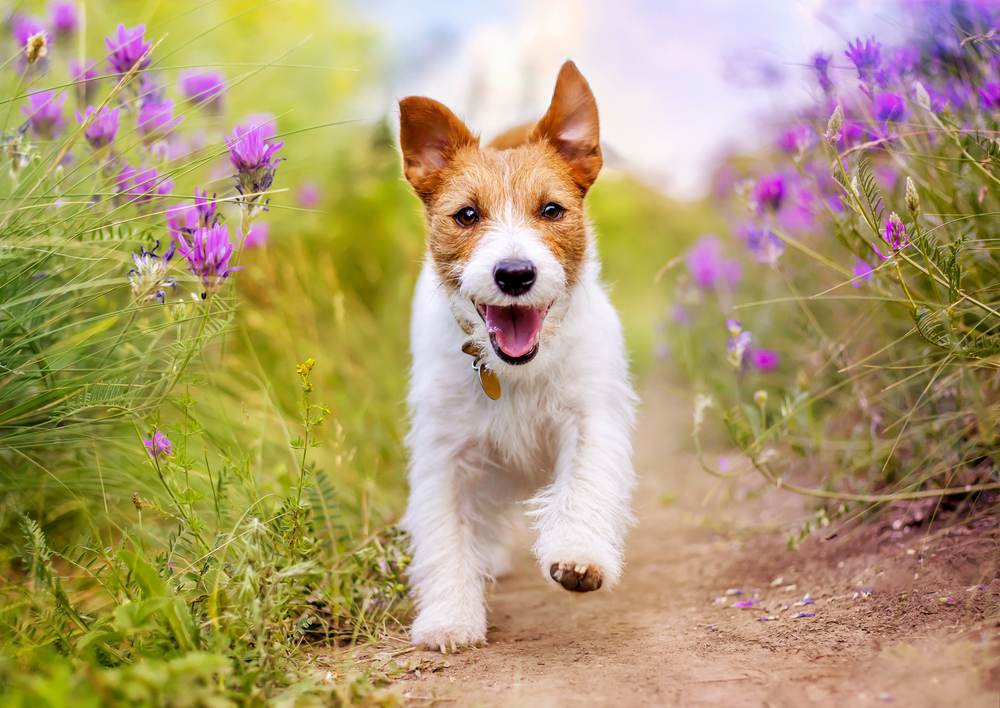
x=257 y=235
x=208 y=256
x=158 y=446
x=764 y=360
x=309 y=195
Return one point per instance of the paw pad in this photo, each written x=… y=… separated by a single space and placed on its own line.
x=577 y=577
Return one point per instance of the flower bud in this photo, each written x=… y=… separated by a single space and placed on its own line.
x=36 y=47
x=912 y=198
x=834 y=125
x=760 y=398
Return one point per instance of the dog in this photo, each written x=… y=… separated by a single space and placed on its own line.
x=520 y=389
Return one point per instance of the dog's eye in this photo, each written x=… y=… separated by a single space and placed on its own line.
x=552 y=211
x=466 y=216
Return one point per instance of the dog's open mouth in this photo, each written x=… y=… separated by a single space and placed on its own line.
x=513 y=330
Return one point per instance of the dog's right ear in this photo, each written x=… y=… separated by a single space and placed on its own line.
x=429 y=135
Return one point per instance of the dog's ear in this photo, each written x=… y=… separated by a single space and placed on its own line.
x=571 y=126
x=429 y=135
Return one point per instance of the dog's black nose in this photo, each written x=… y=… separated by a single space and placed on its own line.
x=514 y=276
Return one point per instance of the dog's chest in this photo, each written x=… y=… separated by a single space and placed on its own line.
x=524 y=429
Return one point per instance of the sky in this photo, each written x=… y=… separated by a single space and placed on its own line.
x=676 y=82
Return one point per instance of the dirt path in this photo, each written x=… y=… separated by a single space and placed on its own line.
x=900 y=615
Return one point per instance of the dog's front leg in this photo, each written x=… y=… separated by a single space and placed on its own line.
x=582 y=516
x=448 y=574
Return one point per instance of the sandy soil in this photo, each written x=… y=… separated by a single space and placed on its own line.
x=907 y=614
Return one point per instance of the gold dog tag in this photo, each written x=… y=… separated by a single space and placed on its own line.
x=487 y=379
x=490 y=382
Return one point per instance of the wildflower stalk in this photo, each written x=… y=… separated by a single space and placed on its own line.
x=194 y=345
x=156 y=453
x=304 y=371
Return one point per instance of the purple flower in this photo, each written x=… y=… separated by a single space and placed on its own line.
x=903 y=61
x=894 y=235
x=257 y=235
x=764 y=360
x=889 y=108
x=64 y=19
x=181 y=219
x=862 y=273
x=895 y=232
x=44 y=112
x=866 y=55
x=149 y=279
x=707 y=266
x=185 y=218
x=128 y=48
x=24 y=28
x=821 y=65
x=769 y=192
x=308 y=195
x=252 y=154
x=744 y=604
x=158 y=446
x=796 y=139
x=141 y=186
x=85 y=76
x=208 y=255
x=765 y=245
x=853 y=133
x=203 y=87
x=156 y=117
x=798 y=212
x=103 y=127
x=267 y=123
x=737 y=347
x=989 y=95
x=206 y=208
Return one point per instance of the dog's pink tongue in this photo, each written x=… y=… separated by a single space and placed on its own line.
x=515 y=328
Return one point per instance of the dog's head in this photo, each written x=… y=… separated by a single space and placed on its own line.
x=507 y=233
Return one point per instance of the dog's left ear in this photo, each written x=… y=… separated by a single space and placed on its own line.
x=571 y=126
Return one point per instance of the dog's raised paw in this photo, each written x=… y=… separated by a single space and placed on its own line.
x=577 y=577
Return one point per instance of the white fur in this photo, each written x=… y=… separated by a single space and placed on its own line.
x=559 y=438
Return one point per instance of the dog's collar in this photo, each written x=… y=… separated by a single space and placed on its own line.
x=488 y=379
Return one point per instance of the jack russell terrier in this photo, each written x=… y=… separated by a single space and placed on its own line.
x=520 y=388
